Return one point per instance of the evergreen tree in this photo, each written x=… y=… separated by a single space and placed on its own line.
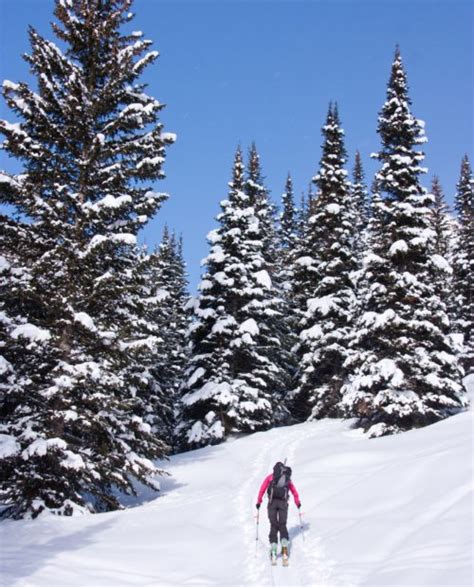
x=285 y=327
x=288 y=217
x=303 y=212
x=302 y=268
x=90 y=143
x=463 y=264
x=442 y=225
x=360 y=202
x=404 y=374
x=156 y=339
x=181 y=316
x=440 y=220
x=172 y=282
x=265 y=210
x=232 y=373
x=302 y=215
x=288 y=238
x=143 y=322
x=277 y=325
x=328 y=264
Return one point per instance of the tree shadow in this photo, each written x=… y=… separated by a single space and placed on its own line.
x=145 y=494
x=20 y=560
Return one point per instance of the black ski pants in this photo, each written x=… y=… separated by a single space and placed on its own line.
x=278 y=515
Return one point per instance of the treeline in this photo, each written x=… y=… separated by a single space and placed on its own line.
x=358 y=304
x=355 y=304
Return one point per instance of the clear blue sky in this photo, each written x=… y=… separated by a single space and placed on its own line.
x=238 y=71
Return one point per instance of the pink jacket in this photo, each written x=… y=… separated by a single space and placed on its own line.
x=266 y=483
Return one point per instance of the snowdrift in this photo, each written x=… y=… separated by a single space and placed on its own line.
x=389 y=511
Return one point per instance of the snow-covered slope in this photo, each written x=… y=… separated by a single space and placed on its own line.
x=391 y=511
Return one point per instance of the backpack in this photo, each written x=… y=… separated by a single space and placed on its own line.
x=278 y=488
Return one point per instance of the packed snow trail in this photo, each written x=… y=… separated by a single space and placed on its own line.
x=393 y=511
x=301 y=570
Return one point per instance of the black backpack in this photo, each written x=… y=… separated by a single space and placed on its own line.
x=278 y=488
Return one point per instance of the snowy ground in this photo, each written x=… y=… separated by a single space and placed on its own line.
x=390 y=511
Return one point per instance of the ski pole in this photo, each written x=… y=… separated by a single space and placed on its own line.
x=256 y=536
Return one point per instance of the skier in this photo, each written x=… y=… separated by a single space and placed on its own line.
x=277 y=486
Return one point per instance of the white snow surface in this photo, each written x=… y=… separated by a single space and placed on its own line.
x=31 y=331
x=442 y=264
x=333 y=208
x=249 y=326
x=85 y=320
x=263 y=278
x=8 y=447
x=389 y=511
x=399 y=246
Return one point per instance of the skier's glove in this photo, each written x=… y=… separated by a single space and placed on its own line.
x=258 y=506
x=299 y=506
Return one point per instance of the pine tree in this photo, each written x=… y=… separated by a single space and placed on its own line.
x=288 y=217
x=232 y=373
x=302 y=269
x=277 y=327
x=404 y=374
x=442 y=225
x=265 y=210
x=143 y=320
x=463 y=265
x=180 y=299
x=285 y=327
x=440 y=220
x=328 y=264
x=288 y=236
x=156 y=337
x=360 y=202
x=175 y=320
x=90 y=143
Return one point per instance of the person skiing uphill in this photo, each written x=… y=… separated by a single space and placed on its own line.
x=277 y=485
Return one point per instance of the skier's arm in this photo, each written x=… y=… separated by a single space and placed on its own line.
x=296 y=497
x=263 y=488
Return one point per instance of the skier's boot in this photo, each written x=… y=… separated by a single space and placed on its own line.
x=273 y=553
x=284 y=552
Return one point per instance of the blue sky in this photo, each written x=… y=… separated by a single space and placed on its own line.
x=236 y=71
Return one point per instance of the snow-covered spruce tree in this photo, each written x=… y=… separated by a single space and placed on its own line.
x=89 y=140
x=278 y=321
x=403 y=373
x=360 y=202
x=25 y=349
x=287 y=240
x=264 y=208
x=443 y=226
x=302 y=268
x=325 y=329
x=178 y=304
x=303 y=212
x=151 y=339
x=288 y=217
x=440 y=220
x=463 y=265
x=231 y=375
x=284 y=278
x=156 y=335
x=171 y=280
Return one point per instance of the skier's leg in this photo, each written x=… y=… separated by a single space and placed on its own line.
x=273 y=518
x=277 y=522
x=282 y=520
